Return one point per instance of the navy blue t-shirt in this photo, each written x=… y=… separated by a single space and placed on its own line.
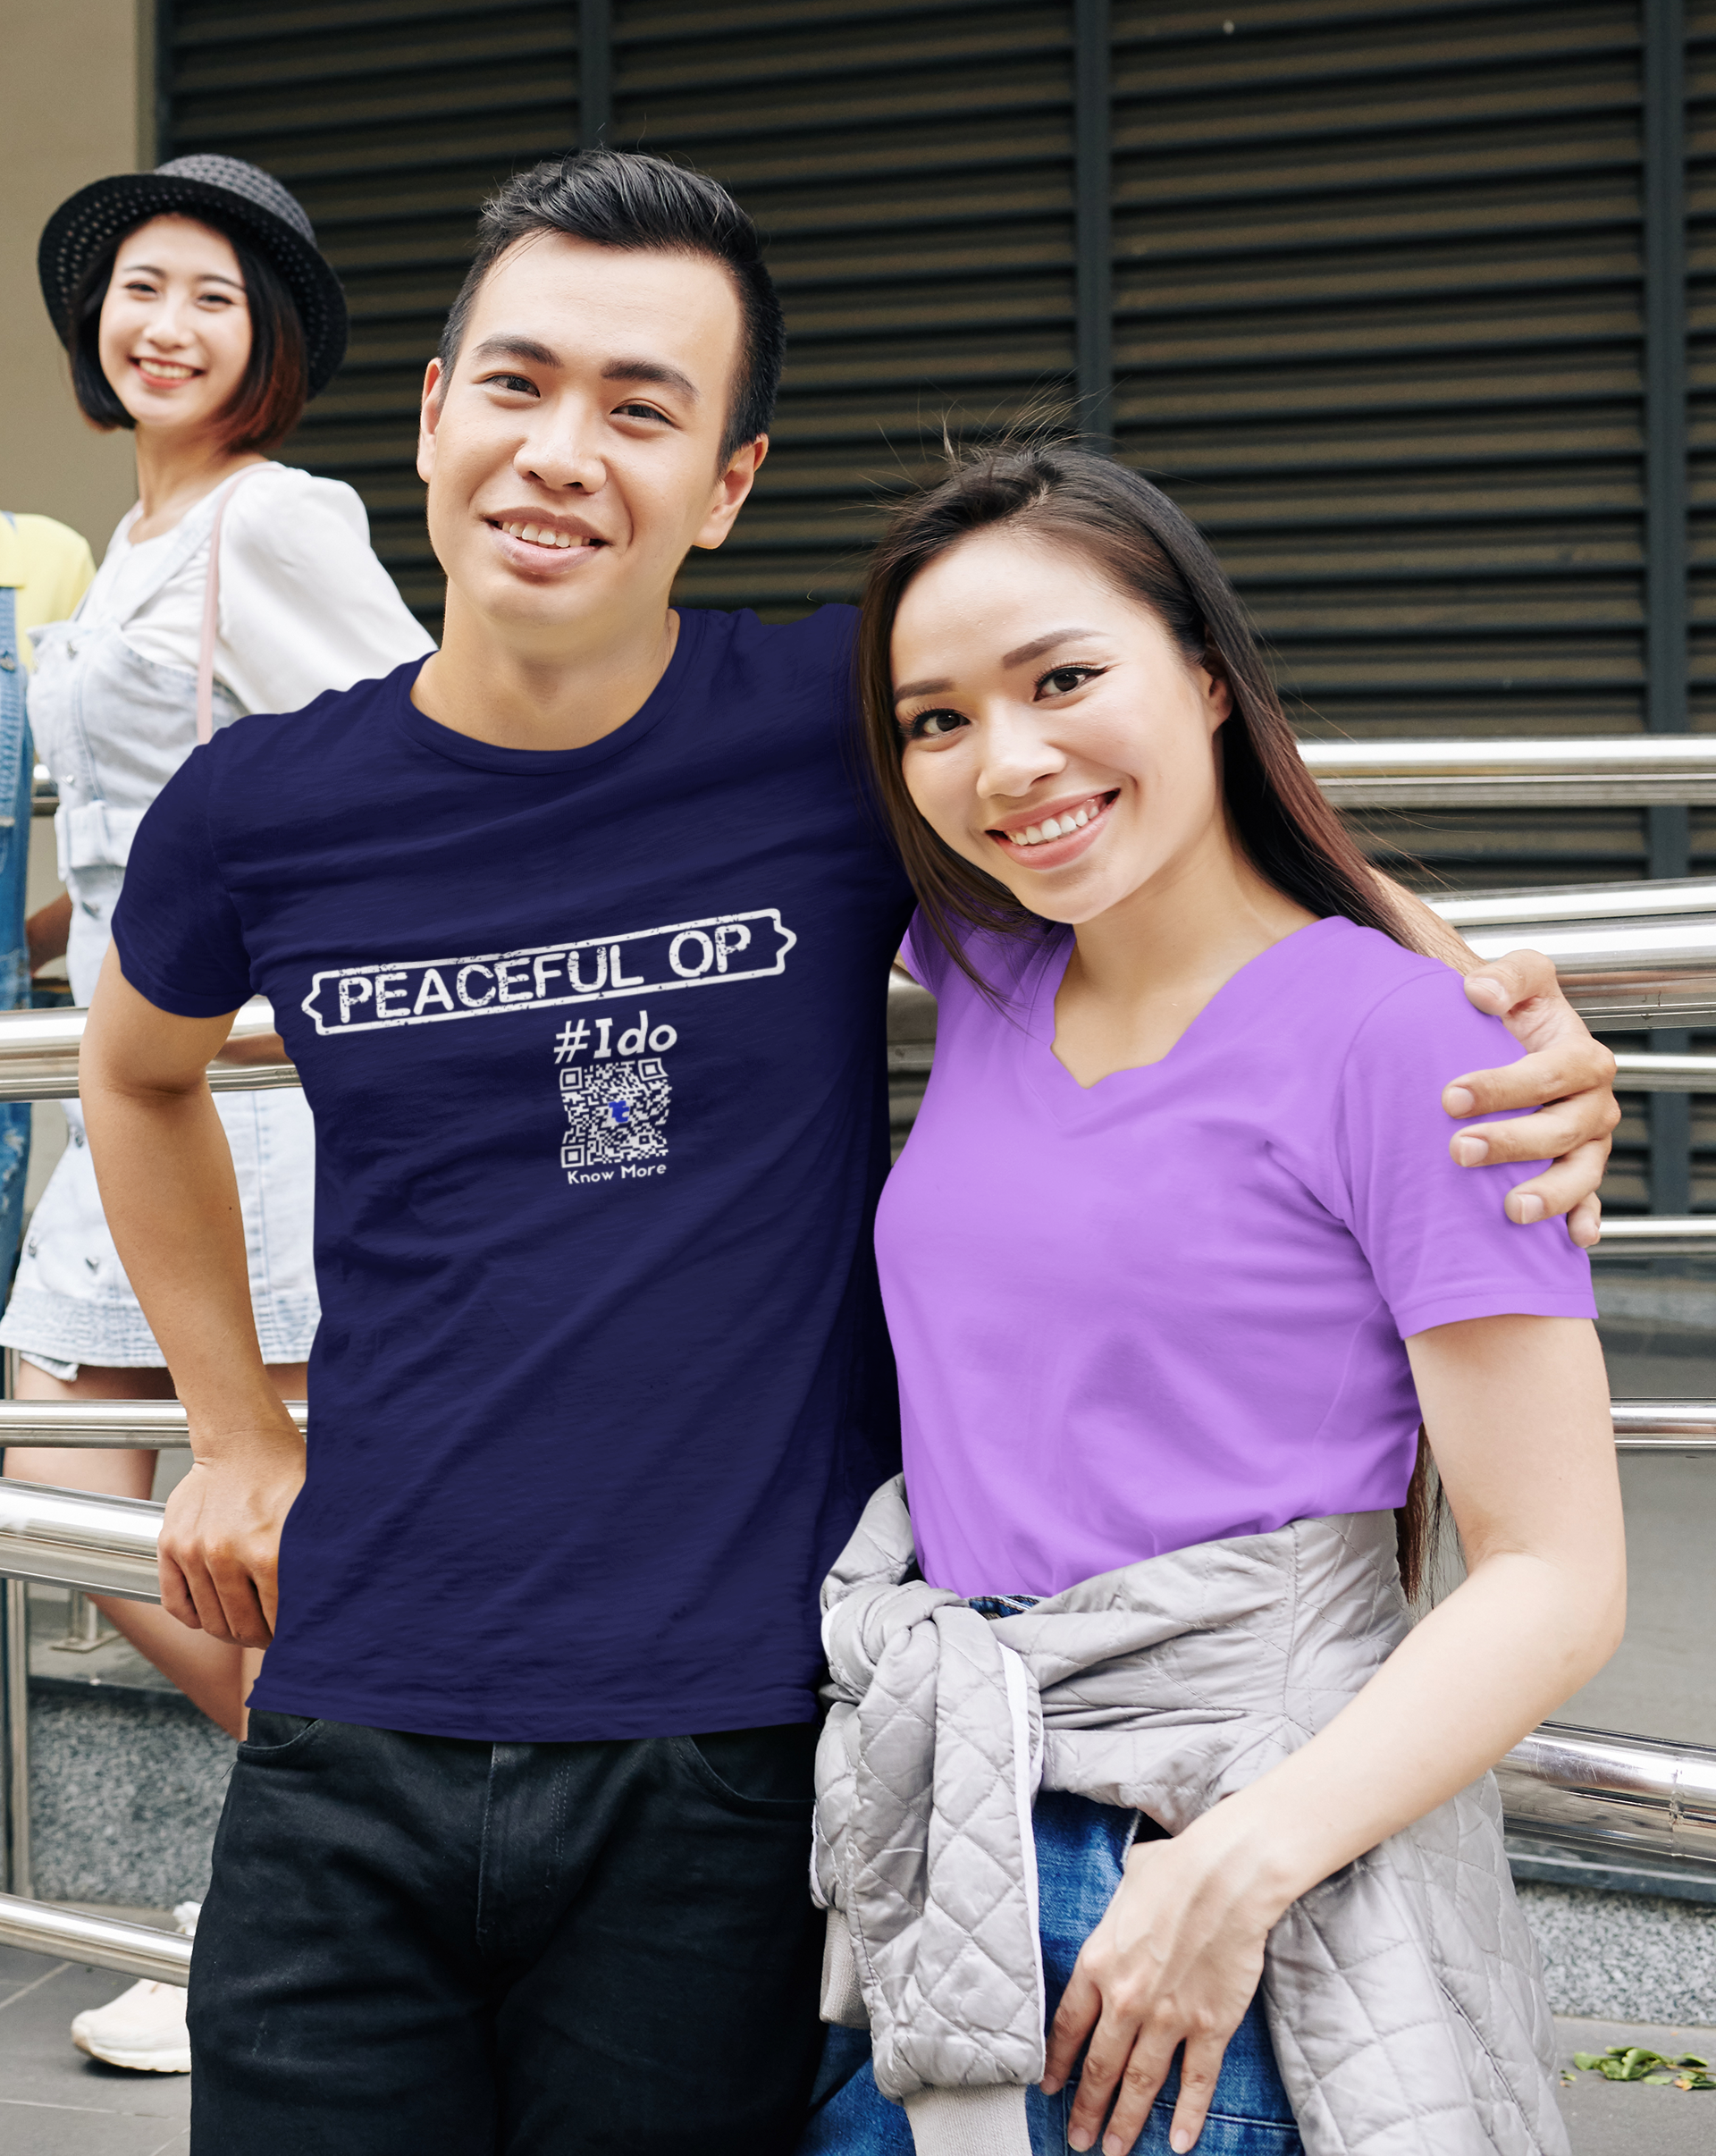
x=595 y=1042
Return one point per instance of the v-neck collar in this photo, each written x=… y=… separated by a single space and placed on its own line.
x=1060 y=1092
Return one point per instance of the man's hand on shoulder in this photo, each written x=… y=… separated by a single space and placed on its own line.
x=220 y=1541
x=1564 y=1073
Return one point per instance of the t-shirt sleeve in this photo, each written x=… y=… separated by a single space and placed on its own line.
x=305 y=605
x=180 y=939
x=925 y=956
x=1439 y=1244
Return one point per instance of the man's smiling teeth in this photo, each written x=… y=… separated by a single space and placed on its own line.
x=544 y=535
x=1052 y=827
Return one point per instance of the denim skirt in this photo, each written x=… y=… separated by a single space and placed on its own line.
x=70 y=1301
x=1081 y=1849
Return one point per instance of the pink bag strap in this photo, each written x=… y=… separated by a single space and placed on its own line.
x=212 y=609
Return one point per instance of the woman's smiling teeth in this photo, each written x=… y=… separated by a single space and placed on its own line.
x=164 y=370
x=544 y=535
x=1056 y=826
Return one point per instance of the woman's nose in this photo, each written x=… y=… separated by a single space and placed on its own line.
x=1015 y=758
x=168 y=325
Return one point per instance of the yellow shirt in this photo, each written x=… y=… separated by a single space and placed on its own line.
x=49 y=564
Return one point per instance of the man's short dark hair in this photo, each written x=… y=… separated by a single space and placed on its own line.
x=623 y=199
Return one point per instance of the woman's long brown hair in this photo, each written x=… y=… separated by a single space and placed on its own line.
x=1149 y=549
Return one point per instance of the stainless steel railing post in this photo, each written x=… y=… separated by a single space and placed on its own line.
x=19 y=1869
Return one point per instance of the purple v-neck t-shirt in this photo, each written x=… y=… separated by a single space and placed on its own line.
x=1170 y=1306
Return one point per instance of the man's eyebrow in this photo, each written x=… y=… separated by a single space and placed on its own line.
x=652 y=370
x=516 y=348
x=1025 y=652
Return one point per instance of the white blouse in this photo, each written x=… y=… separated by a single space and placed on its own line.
x=305 y=605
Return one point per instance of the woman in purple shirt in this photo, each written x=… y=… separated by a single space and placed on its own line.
x=1174 y=1254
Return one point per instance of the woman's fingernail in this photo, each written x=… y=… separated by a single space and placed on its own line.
x=1459 y=1100
x=1471 y=1152
x=1078 y=2138
x=1180 y=2141
x=1050 y=2084
x=1531 y=1208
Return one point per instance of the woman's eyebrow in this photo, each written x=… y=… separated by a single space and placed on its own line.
x=1040 y=644
x=148 y=269
x=1022 y=657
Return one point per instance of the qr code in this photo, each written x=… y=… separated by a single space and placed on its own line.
x=615 y=1112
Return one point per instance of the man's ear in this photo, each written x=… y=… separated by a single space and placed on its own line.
x=428 y=419
x=731 y=491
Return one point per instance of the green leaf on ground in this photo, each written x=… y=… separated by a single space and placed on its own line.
x=1635 y=2062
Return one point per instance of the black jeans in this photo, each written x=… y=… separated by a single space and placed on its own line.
x=421 y=1946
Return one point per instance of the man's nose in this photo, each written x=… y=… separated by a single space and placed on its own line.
x=563 y=453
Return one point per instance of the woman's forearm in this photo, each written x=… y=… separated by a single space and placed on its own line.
x=1517 y=1409
x=48 y=931
x=1507 y=1648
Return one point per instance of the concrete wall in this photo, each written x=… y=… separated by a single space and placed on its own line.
x=77 y=107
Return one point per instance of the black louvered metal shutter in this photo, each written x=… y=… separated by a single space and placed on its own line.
x=390 y=120
x=911 y=165
x=1379 y=328
x=1377 y=288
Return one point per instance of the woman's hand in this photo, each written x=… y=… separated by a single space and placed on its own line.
x=1176 y=1959
x=254 y=1048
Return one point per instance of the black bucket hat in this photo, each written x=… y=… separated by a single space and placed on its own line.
x=229 y=192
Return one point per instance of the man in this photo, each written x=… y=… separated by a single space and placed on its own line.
x=578 y=937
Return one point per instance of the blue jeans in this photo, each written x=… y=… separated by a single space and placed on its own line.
x=17 y=767
x=1081 y=1847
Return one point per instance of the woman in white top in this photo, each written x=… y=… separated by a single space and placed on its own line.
x=197 y=312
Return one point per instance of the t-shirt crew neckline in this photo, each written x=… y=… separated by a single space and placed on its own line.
x=1055 y=1086
x=491 y=756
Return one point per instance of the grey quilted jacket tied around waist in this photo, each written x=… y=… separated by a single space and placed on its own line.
x=1404 y=1994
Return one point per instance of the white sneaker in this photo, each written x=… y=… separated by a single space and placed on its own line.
x=143 y=2028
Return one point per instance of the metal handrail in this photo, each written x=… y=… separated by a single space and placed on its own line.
x=110 y=1425
x=76 y=1538
x=1665 y=1425
x=1628 y=954
x=1622 y=957
x=1640 y=1073
x=1608 y=772
x=1590 y=1786
x=1610 y=1792
x=38 y=1054
x=1534 y=906
x=1659 y=1235
x=38 y=1927
x=1641 y=1425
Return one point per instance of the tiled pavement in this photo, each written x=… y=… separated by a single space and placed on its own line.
x=55 y=2103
